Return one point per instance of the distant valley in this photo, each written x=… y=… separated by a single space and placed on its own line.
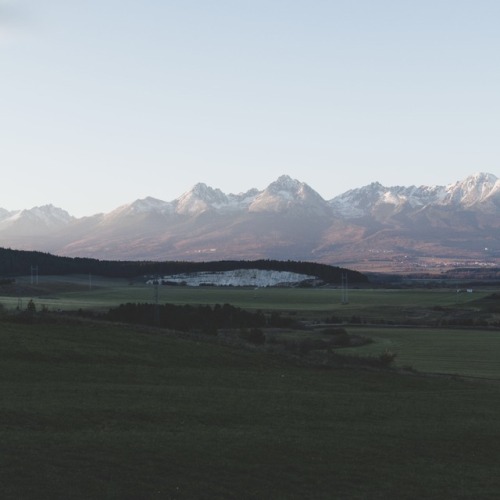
x=371 y=228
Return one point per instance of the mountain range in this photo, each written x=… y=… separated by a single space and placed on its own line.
x=369 y=228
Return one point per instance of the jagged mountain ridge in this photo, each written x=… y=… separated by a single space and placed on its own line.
x=479 y=190
x=288 y=219
x=286 y=193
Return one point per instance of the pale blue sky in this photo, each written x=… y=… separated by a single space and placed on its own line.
x=106 y=101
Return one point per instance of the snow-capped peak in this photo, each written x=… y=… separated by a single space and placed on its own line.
x=475 y=189
x=287 y=194
x=283 y=194
x=46 y=214
x=141 y=206
x=479 y=188
x=285 y=183
x=200 y=199
x=37 y=218
x=359 y=202
x=150 y=204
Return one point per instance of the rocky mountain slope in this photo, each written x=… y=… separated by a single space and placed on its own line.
x=369 y=228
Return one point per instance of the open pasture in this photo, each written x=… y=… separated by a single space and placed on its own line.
x=464 y=352
x=99 y=411
x=470 y=352
x=97 y=293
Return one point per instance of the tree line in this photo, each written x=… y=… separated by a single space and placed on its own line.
x=204 y=318
x=21 y=262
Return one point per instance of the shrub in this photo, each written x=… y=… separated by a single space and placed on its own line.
x=342 y=340
x=254 y=336
x=333 y=319
x=387 y=357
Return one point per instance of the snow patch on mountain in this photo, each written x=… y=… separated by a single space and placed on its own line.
x=477 y=189
x=473 y=190
x=358 y=202
x=287 y=194
x=150 y=204
x=47 y=216
x=199 y=199
x=237 y=277
x=141 y=206
x=202 y=198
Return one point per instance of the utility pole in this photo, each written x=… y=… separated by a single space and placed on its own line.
x=34 y=275
x=156 y=306
x=345 y=289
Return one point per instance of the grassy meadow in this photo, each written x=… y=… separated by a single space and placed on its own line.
x=463 y=352
x=75 y=292
x=93 y=411
x=97 y=410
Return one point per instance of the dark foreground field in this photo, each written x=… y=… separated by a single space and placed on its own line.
x=92 y=411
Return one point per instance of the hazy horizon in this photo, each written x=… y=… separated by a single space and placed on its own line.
x=108 y=102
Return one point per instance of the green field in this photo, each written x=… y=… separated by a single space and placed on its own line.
x=79 y=292
x=465 y=352
x=96 y=410
x=470 y=352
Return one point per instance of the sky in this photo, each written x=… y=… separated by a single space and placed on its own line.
x=103 y=102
